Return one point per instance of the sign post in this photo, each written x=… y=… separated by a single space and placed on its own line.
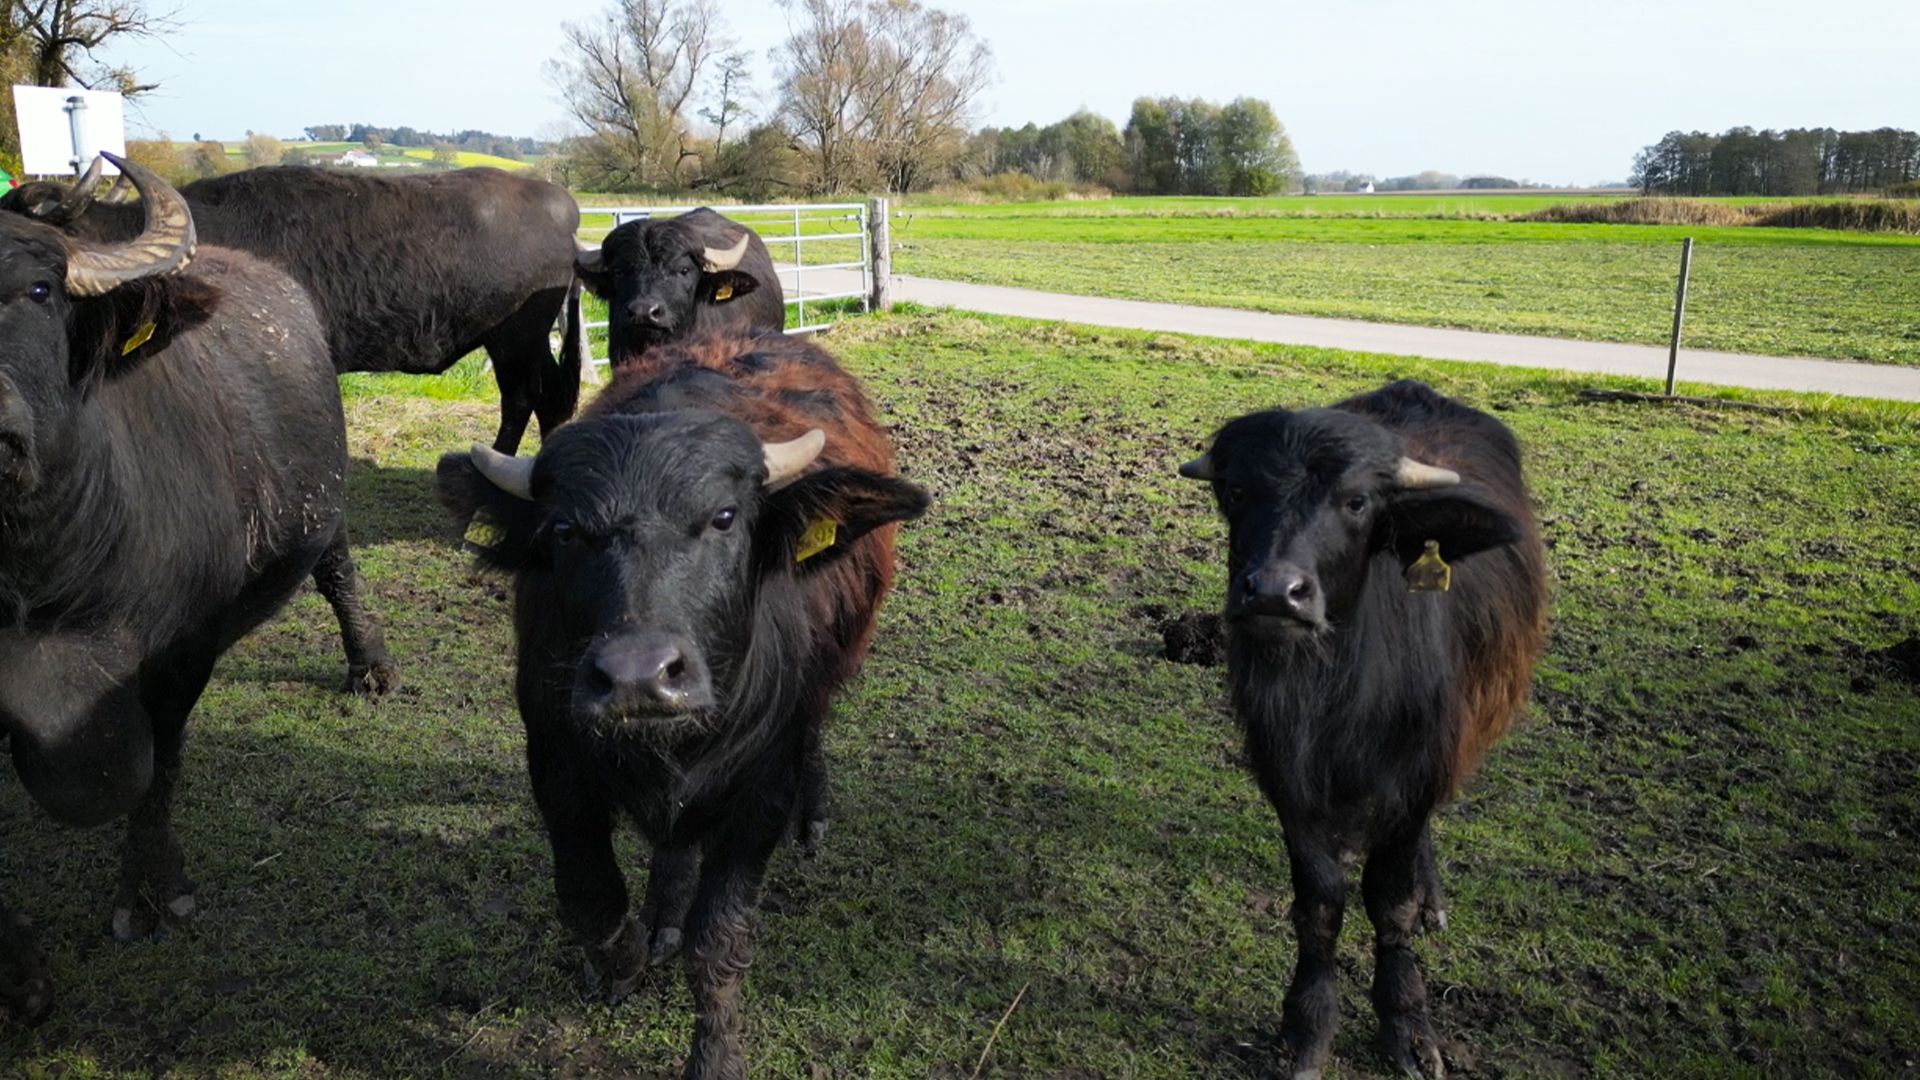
x=63 y=129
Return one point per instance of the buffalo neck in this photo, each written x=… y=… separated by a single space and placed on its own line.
x=57 y=540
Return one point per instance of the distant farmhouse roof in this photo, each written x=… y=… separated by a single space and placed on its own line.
x=360 y=159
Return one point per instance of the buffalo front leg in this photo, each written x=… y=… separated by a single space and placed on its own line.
x=1395 y=885
x=1312 y=1010
x=672 y=877
x=587 y=882
x=26 y=979
x=722 y=931
x=153 y=882
x=1433 y=898
x=370 y=669
x=813 y=788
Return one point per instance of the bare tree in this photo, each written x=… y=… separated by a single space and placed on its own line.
x=262 y=149
x=61 y=40
x=880 y=91
x=826 y=61
x=929 y=71
x=728 y=109
x=629 y=82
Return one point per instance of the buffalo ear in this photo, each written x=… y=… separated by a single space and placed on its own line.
x=729 y=285
x=1463 y=519
x=593 y=273
x=112 y=334
x=500 y=527
x=815 y=520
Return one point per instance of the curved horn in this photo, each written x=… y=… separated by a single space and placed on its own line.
x=79 y=196
x=785 y=460
x=1413 y=476
x=120 y=194
x=513 y=475
x=719 y=259
x=588 y=260
x=164 y=245
x=1200 y=468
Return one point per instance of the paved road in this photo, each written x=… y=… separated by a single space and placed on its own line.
x=1513 y=350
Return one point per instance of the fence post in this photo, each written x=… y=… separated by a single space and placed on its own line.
x=1679 y=311
x=881 y=245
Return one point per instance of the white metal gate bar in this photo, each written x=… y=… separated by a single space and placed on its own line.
x=765 y=220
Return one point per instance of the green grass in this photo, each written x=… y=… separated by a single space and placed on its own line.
x=1807 y=292
x=1695 y=858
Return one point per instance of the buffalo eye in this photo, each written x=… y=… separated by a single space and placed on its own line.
x=566 y=532
x=684 y=271
x=1357 y=505
x=1232 y=496
x=723 y=520
x=40 y=292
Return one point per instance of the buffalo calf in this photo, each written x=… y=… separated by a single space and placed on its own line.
x=698 y=561
x=1386 y=600
x=666 y=279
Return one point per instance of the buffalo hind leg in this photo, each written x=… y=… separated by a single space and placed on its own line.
x=154 y=888
x=672 y=876
x=531 y=381
x=1312 y=1010
x=722 y=936
x=1394 y=886
x=26 y=979
x=370 y=668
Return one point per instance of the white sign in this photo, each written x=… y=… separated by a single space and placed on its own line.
x=51 y=124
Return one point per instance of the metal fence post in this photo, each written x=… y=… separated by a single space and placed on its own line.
x=1679 y=311
x=879 y=222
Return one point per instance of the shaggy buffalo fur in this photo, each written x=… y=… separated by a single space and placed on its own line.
x=653 y=543
x=150 y=515
x=1365 y=703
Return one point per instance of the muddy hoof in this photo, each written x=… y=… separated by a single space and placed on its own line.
x=614 y=966
x=139 y=914
x=26 y=979
x=1410 y=1043
x=666 y=946
x=378 y=679
x=813 y=835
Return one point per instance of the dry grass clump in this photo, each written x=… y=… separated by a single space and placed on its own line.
x=1858 y=215
x=1646 y=212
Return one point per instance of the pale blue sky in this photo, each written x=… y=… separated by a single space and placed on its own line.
x=1556 y=92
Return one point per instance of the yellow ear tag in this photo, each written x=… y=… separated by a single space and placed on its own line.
x=140 y=337
x=723 y=293
x=819 y=537
x=1429 y=572
x=484 y=532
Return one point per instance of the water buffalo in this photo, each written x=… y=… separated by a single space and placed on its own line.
x=667 y=278
x=698 y=563
x=1369 y=674
x=151 y=513
x=408 y=273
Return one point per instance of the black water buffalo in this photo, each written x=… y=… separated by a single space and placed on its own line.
x=408 y=273
x=1369 y=674
x=668 y=278
x=150 y=515
x=699 y=560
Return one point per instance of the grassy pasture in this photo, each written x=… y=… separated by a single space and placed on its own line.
x=1808 y=292
x=1697 y=857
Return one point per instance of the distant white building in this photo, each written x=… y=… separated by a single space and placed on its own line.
x=359 y=159
x=1368 y=190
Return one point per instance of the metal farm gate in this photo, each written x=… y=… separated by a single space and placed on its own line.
x=826 y=231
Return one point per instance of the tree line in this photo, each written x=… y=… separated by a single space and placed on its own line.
x=479 y=142
x=866 y=95
x=1801 y=161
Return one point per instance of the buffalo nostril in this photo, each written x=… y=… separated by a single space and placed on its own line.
x=1250 y=584
x=1300 y=590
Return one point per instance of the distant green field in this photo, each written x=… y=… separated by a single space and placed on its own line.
x=1844 y=295
x=464 y=160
